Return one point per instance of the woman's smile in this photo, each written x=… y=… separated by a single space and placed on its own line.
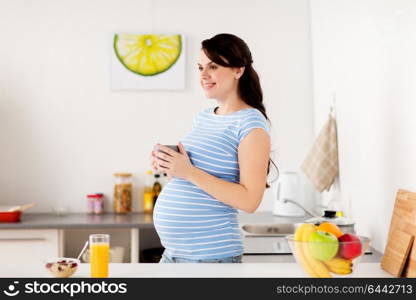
x=208 y=85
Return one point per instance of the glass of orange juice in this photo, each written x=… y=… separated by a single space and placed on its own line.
x=99 y=255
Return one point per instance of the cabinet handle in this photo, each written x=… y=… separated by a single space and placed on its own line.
x=21 y=239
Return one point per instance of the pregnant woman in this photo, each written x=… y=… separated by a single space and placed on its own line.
x=223 y=161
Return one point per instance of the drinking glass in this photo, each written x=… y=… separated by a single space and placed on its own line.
x=99 y=255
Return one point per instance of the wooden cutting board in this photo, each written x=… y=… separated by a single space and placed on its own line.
x=410 y=270
x=397 y=252
x=401 y=235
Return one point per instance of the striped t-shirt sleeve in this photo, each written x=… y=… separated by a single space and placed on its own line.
x=252 y=121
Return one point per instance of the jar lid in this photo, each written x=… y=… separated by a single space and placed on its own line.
x=122 y=174
x=97 y=195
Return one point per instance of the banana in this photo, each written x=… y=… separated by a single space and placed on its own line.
x=342 y=271
x=299 y=232
x=299 y=252
x=339 y=265
x=317 y=266
x=312 y=266
x=339 y=262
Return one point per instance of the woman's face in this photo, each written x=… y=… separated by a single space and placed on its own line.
x=217 y=81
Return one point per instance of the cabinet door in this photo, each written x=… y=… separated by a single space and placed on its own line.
x=20 y=246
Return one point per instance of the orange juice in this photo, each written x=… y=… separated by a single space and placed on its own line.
x=99 y=258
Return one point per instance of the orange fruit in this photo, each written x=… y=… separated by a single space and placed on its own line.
x=329 y=227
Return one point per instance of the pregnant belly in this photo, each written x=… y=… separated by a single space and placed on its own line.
x=182 y=195
x=185 y=210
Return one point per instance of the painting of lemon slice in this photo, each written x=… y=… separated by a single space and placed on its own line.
x=147 y=54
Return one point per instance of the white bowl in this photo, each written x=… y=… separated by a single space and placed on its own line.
x=62 y=267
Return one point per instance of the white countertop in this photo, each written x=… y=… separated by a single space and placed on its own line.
x=270 y=270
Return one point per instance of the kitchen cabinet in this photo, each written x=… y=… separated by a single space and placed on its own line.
x=48 y=233
x=21 y=246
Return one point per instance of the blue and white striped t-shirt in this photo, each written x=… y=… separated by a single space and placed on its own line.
x=190 y=222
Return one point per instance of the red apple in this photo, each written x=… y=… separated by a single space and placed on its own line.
x=349 y=246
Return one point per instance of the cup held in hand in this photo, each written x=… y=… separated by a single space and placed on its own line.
x=173 y=147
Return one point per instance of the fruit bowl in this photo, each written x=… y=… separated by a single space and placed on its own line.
x=62 y=267
x=325 y=252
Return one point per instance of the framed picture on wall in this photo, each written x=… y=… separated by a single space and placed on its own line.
x=147 y=62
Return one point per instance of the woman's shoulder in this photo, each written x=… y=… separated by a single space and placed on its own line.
x=253 y=112
x=254 y=118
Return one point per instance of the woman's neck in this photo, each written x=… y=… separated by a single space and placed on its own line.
x=230 y=105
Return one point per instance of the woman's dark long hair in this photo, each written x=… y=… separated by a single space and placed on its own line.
x=230 y=51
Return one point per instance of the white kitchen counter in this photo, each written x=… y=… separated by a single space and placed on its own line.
x=271 y=270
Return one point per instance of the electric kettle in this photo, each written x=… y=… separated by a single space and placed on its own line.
x=288 y=187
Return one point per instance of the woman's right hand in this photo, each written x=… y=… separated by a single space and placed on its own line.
x=153 y=163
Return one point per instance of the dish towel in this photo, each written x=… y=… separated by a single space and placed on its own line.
x=321 y=163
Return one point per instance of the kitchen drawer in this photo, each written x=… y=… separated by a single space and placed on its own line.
x=28 y=246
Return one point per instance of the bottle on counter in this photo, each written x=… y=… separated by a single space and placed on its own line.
x=148 y=193
x=99 y=204
x=165 y=180
x=157 y=187
x=123 y=193
x=90 y=203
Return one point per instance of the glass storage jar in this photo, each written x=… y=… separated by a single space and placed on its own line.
x=123 y=193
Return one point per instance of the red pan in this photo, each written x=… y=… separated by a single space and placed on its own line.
x=12 y=214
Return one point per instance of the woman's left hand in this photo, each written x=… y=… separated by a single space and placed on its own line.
x=173 y=163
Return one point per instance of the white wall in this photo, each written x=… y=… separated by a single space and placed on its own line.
x=365 y=52
x=64 y=132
